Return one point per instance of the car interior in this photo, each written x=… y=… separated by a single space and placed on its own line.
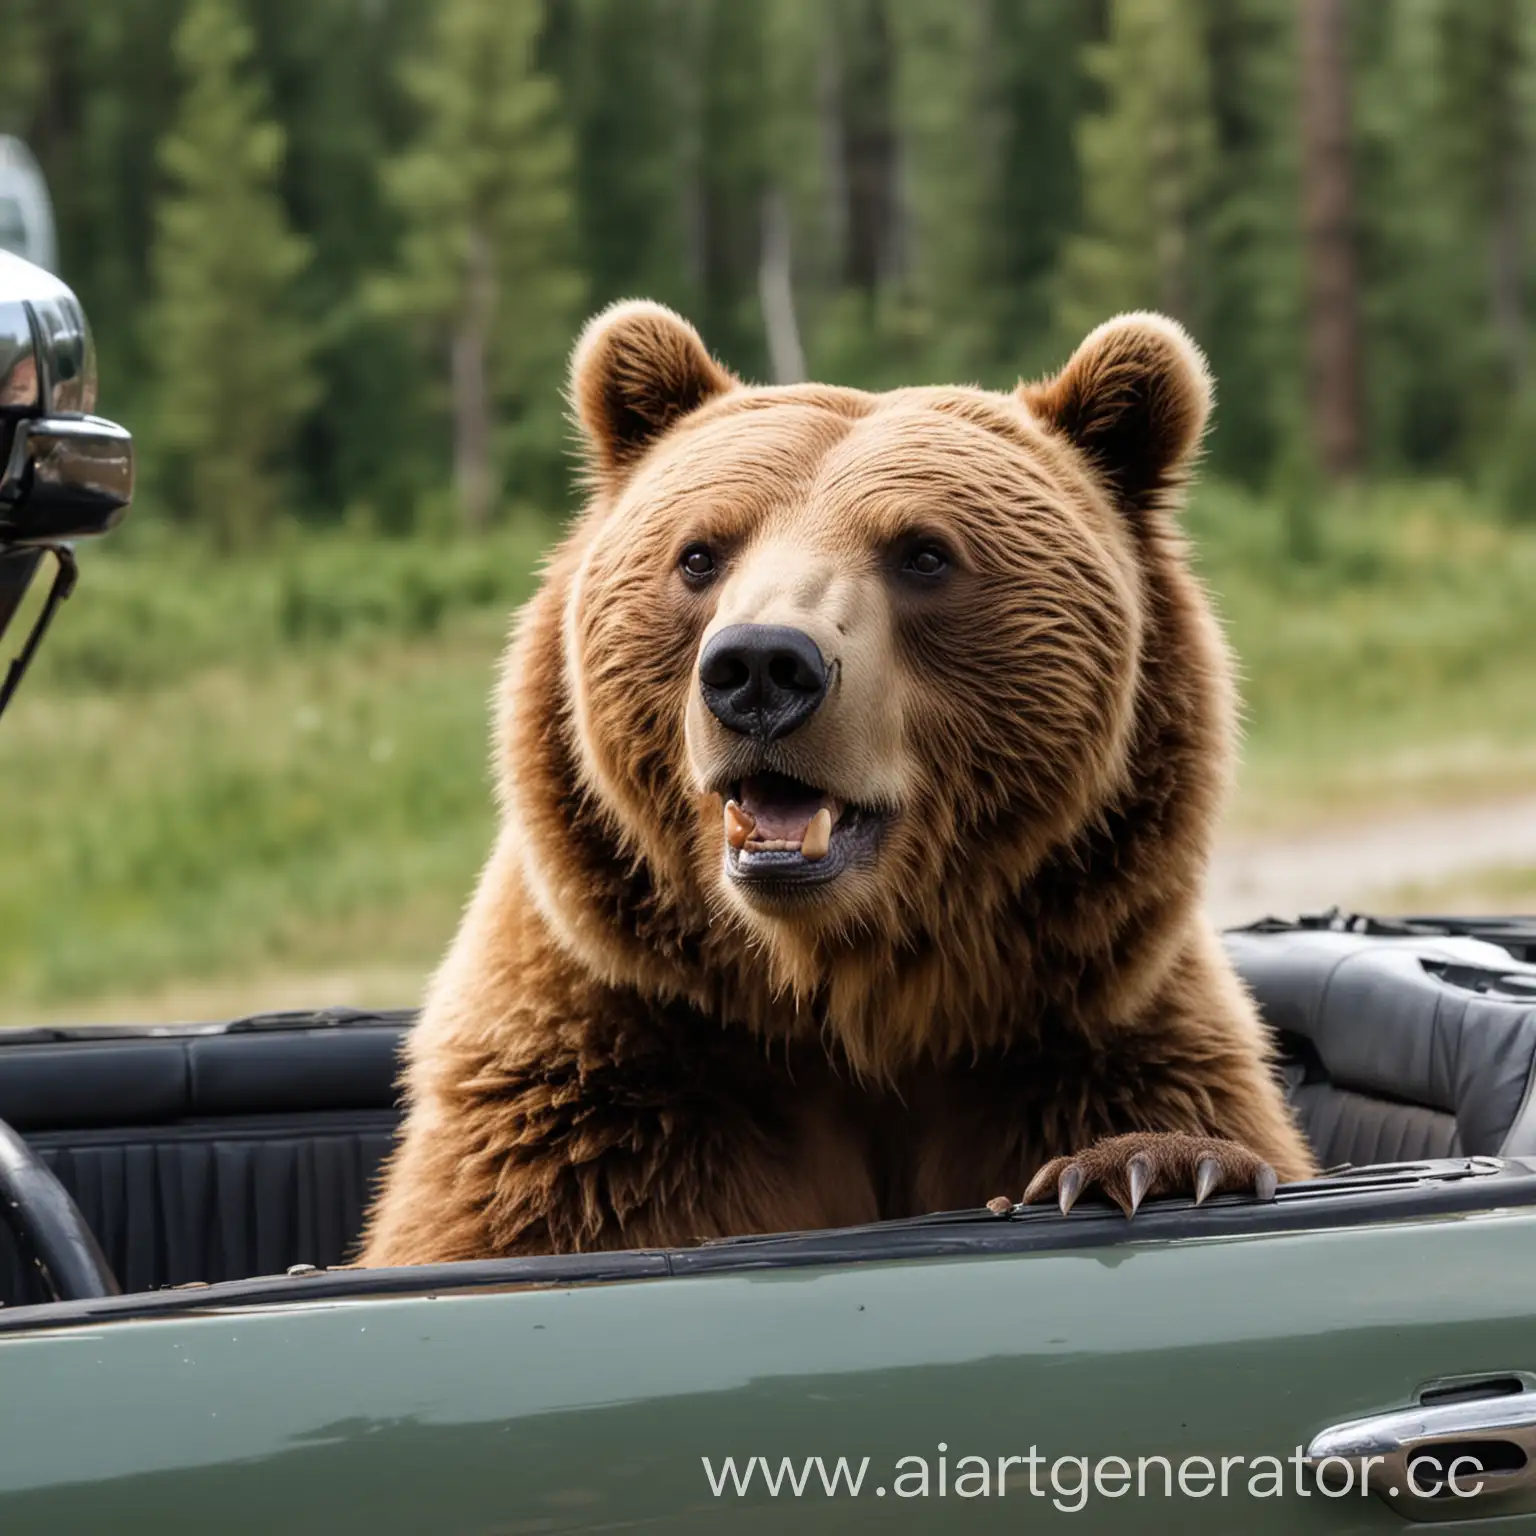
x=213 y=1153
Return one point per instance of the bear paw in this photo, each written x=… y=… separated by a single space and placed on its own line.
x=1130 y=1168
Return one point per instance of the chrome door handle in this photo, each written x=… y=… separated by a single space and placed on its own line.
x=1465 y=1451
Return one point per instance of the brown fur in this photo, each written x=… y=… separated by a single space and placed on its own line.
x=623 y=1049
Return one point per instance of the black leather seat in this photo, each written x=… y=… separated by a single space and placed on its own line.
x=209 y=1156
x=1399 y=1049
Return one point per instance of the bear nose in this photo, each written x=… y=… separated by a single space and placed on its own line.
x=763 y=680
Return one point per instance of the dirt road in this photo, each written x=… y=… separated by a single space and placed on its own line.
x=1473 y=854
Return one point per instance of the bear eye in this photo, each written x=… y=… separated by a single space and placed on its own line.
x=697 y=563
x=927 y=561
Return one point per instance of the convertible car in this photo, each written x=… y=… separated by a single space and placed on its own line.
x=184 y=1347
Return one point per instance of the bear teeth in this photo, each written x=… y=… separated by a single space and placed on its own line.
x=738 y=825
x=818 y=836
x=814 y=844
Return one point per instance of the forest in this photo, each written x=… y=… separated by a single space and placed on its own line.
x=335 y=251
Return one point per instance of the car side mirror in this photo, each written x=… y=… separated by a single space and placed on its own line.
x=65 y=473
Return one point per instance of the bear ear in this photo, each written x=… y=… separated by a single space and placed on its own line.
x=636 y=369
x=1134 y=398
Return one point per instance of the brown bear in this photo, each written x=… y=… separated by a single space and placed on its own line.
x=859 y=760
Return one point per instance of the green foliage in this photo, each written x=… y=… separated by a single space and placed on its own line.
x=273 y=760
x=947 y=110
x=969 y=185
x=624 y=68
x=22 y=70
x=1039 y=52
x=231 y=356
x=332 y=805
x=1394 y=662
x=1147 y=161
x=731 y=179
x=334 y=70
x=484 y=192
x=161 y=608
x=104 y=87
x=1249 y=310
x=1445 y=116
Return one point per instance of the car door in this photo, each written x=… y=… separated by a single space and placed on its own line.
x=1090 y=1374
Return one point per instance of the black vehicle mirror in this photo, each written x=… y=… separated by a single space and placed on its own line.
x=65 y=473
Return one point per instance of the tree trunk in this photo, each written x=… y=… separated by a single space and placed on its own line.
x=471 y=388
x=1327 y=187
x=869 y=148
x=776 y=293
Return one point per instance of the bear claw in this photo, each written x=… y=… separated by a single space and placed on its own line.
x=1068 y=1187
x=1207 y=1176
x=1130 y=1169
x=1141 y=1175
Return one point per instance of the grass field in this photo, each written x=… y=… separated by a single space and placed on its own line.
x=239 y=785
x=1395 y=666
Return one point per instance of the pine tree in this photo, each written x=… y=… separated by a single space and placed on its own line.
x=487 y=255
x=908 y=188
x=1146 y=161
x=731 y=180
x=23 y=65
x=626 y=76
x=1251 y=299
x=1437 y=382
x=838 y=149
x=1486 y=135
x=1484 y=126
x=1329 y=229
x=864 y=141
x=950 y=131
x=1038 y=49
x=1487 y=76
x=796 y=272
x=231 y=358
x=91 y=89
x=334 y=72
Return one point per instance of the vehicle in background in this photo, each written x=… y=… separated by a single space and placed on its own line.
x=26 y=210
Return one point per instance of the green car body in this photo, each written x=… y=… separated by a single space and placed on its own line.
x=615 y=1405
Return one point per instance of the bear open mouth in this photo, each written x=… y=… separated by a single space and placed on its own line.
x=780 y=831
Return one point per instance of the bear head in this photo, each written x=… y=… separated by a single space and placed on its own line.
x=896 y=714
